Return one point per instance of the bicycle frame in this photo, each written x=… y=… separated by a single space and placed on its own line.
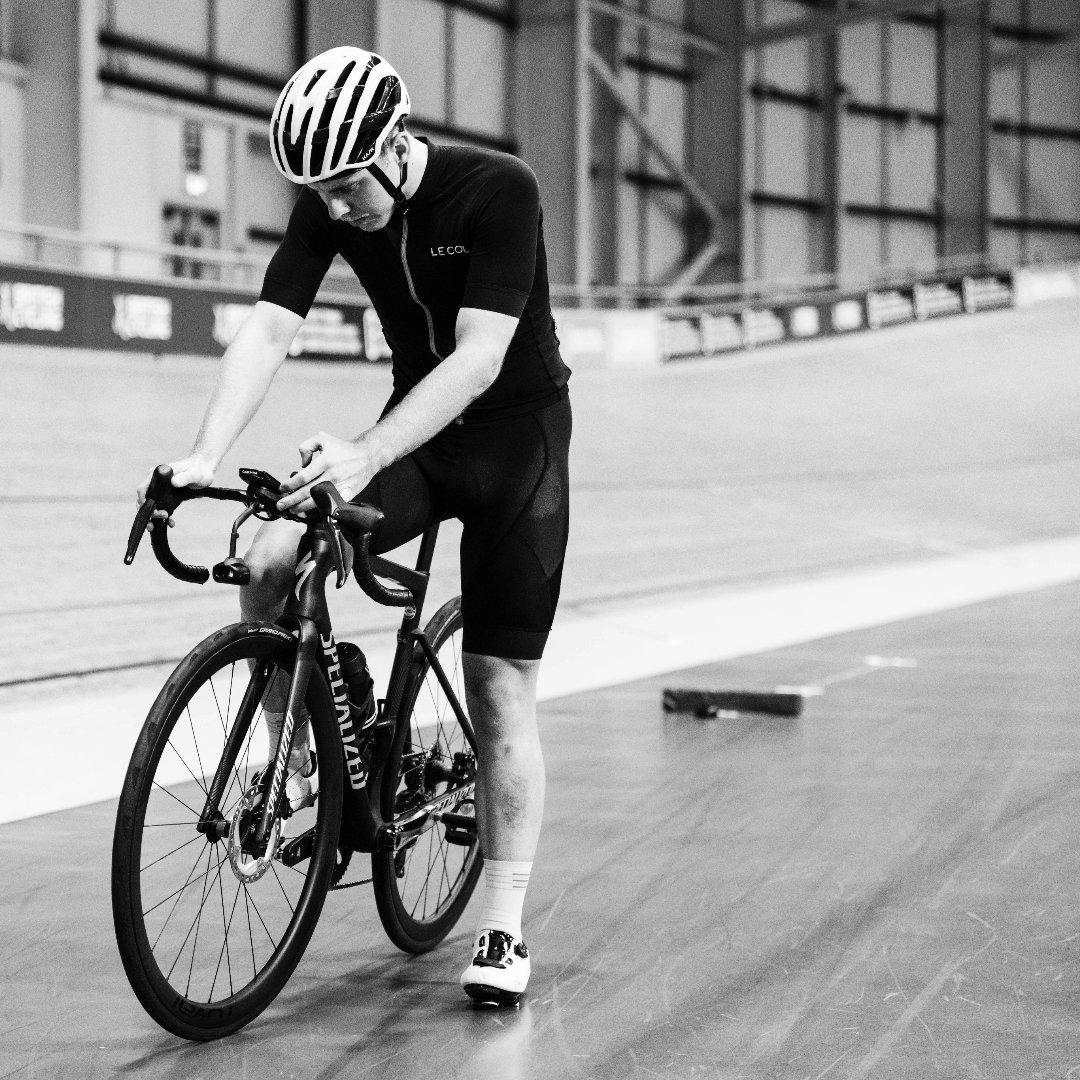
x=306 y=617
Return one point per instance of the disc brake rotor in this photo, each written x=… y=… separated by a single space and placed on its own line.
x=246 y=866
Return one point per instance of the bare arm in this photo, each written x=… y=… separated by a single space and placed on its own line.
x=437 y=400
x=247 y=369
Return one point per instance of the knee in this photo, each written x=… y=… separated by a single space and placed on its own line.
x=270 y=561
x=501 y=696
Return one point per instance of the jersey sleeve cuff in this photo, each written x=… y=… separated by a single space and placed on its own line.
x=287 y=296
x=493 y=298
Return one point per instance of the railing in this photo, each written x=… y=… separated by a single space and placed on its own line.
x=68 y=250
x=731 y=296
x=64 y=249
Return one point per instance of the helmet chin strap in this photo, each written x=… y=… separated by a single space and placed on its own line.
x=395 y=193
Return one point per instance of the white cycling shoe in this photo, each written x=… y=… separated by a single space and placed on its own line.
x=298 y=787
x=499 y=971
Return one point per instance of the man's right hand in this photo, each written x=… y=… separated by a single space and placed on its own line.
x=193 y=471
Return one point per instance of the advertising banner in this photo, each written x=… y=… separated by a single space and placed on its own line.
x=710 y=333
x=49 y=307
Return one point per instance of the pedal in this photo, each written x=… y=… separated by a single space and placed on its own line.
x=298 y=849
x=232 y=571
x=460 y=829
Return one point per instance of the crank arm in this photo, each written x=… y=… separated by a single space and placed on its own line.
x=394 y=833
x=297 y=849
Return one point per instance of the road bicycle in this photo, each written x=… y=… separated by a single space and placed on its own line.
x=218 y=875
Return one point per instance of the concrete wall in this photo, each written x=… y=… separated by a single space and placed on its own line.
x=12 y=141
x=760 y=133
x=45 y=39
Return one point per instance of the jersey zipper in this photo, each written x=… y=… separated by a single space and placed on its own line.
x=412 y=287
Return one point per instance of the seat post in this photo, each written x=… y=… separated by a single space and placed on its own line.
x=427 y=549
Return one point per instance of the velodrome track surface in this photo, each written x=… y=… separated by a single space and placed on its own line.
x=885 y=887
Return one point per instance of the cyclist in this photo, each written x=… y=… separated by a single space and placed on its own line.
x=448 y=243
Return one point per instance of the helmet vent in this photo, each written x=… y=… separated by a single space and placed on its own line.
x=321 y=135
x=315 y=132
x=294 y=148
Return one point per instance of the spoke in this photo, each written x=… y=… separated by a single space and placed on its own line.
x=292 y=910
x=232 y=679
x=427 y=879
x=217 y=703
x=258 y=914
x=295 y=871
x=251 y=936
x=433 y=852
x=183 y=944
x=224 y=726
x=224 y=951
x=168 y=825
x=198 y=926
x=198 y=780
x=178 y=891
x=443 y=850
x=197 y=836
x=177 y=798
x=195 y=741
x=198 y=859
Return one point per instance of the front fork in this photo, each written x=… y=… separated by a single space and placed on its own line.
x=211 y=822
x=306 y=653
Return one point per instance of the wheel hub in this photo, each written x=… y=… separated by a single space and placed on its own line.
x=247 y=863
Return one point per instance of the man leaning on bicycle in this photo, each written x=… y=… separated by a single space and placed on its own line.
x=448 y=243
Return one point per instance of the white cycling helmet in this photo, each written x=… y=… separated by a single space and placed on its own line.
x=334 y=114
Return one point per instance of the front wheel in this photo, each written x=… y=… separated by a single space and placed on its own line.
x=210 y=919
x=423 y=884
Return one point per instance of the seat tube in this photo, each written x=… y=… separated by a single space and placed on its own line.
x=427 y=549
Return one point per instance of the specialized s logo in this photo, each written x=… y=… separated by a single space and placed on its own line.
x=450 y=249
x=302 y=571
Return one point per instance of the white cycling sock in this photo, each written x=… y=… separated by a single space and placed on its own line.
x=300 y=744
x=505 y=883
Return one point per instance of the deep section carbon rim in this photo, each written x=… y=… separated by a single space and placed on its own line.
x=218 y=918
x=428 y=879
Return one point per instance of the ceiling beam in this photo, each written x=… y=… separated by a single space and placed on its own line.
x=1067 y=43
x=652 y=139
x=689 y=38
x=828 y=22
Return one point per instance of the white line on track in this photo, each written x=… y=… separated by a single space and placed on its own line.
x=80 y=742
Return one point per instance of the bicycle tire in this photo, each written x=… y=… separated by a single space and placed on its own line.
x=432 y=736
x=183 y=719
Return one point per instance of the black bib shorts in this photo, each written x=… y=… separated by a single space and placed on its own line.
x=508 y=483
x=471 y=236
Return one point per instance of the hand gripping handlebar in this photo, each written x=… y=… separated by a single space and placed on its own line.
x=161 y=495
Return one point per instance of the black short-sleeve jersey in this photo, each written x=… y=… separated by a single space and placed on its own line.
x=472 y=236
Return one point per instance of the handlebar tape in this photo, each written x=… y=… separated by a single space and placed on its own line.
x=380 y=593
x=159 y=541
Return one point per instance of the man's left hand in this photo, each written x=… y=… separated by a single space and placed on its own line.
x=347 y=465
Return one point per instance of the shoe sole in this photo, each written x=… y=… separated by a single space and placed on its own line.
x=492 y=995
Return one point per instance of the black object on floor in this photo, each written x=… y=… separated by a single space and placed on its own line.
x=705 y=704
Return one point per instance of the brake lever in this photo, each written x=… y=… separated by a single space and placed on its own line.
x=327 y=498
x=160 y=495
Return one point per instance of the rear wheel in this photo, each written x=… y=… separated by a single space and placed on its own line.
x=422 y=886
x=210 y=920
